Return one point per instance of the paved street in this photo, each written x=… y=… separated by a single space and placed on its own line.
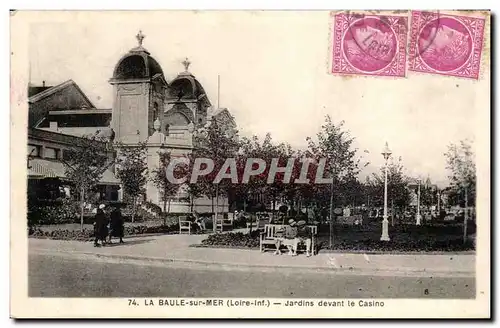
x=59 y=276
x=177 y=248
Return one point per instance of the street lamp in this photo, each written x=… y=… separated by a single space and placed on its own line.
x=419 y=217
x=385 y=223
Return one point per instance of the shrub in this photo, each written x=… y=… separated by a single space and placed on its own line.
x=142 y=229
x=61 y=234
x=152 y=207
x=52 y=212
x=426 y=245
x=233 y=239
x=88 y=234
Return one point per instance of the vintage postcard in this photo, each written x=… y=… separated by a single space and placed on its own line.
x=250 y=164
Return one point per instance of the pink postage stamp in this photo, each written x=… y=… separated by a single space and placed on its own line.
x=446 y=44
x=369 y=44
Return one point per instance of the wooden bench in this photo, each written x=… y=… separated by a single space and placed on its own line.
x=350 y=220
x=254 y=222
x=221 y=223
x=268 y=237
x=184 y=225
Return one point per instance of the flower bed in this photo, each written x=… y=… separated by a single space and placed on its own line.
x=62 y=234
x=423 y=246
x=233 y=239
x=403 y=240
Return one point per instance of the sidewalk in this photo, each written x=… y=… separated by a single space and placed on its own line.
x=175 y=248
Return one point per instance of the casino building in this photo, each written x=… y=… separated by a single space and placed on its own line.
x=146 y=107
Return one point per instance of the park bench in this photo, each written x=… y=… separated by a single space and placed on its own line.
x=268 y=237
x=258 y=221
x=221 y=223
x=184 y=225
x=350 y=220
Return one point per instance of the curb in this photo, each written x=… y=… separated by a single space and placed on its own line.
x=161 y=260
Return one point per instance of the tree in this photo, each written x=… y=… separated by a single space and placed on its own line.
x=462 y=173
x=132 y=172
x=217 y=144
x=397 y=185
x=84 y=165
x=336 y=146
x=428 y=195
x=257 y=184
x=160 y=179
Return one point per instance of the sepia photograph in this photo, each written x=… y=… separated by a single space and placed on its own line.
x=319 y=164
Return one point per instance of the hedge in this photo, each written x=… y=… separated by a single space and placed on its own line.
x=88 y=234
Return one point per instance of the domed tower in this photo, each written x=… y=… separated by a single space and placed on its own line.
x=139 y=89
x=186 y=100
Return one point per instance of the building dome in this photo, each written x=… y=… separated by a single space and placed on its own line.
x=137 y=64
x=186 y=87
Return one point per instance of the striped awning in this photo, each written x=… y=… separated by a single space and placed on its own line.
x=42 y=168
x=38 y=169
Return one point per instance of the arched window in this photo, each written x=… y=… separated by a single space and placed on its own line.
x=155 y=111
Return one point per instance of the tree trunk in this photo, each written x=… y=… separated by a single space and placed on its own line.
x=82 y=205
x=466 y=215
x=213 y=209
x=392 y=212
x=274 y=207
x=331 y=239
x=164 y=208
x=133 y=208
x=216 y=212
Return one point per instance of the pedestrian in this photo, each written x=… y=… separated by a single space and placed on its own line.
x=100 y=227
x=116 y=225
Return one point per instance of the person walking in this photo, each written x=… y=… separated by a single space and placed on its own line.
x=100 y=227
x=116 y=225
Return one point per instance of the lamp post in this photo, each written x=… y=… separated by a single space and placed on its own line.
x=385 y=223
x=419 y=217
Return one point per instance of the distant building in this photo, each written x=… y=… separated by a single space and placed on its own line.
x=65 y=109
x=413 y=188
x=46 y=172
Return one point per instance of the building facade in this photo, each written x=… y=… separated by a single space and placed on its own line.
x=146 y=108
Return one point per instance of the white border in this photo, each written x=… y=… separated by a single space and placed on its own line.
x=128 y=4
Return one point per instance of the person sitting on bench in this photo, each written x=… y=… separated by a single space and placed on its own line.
x=303 y=235
x=199 y=221
x=291 y=237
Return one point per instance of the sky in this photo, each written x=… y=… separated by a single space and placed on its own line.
x=274 y=73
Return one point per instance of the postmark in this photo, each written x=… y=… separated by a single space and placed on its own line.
x=369 y=44
x=446 y=44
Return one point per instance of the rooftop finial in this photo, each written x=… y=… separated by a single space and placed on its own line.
x=140 y=37
x=186 y=64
